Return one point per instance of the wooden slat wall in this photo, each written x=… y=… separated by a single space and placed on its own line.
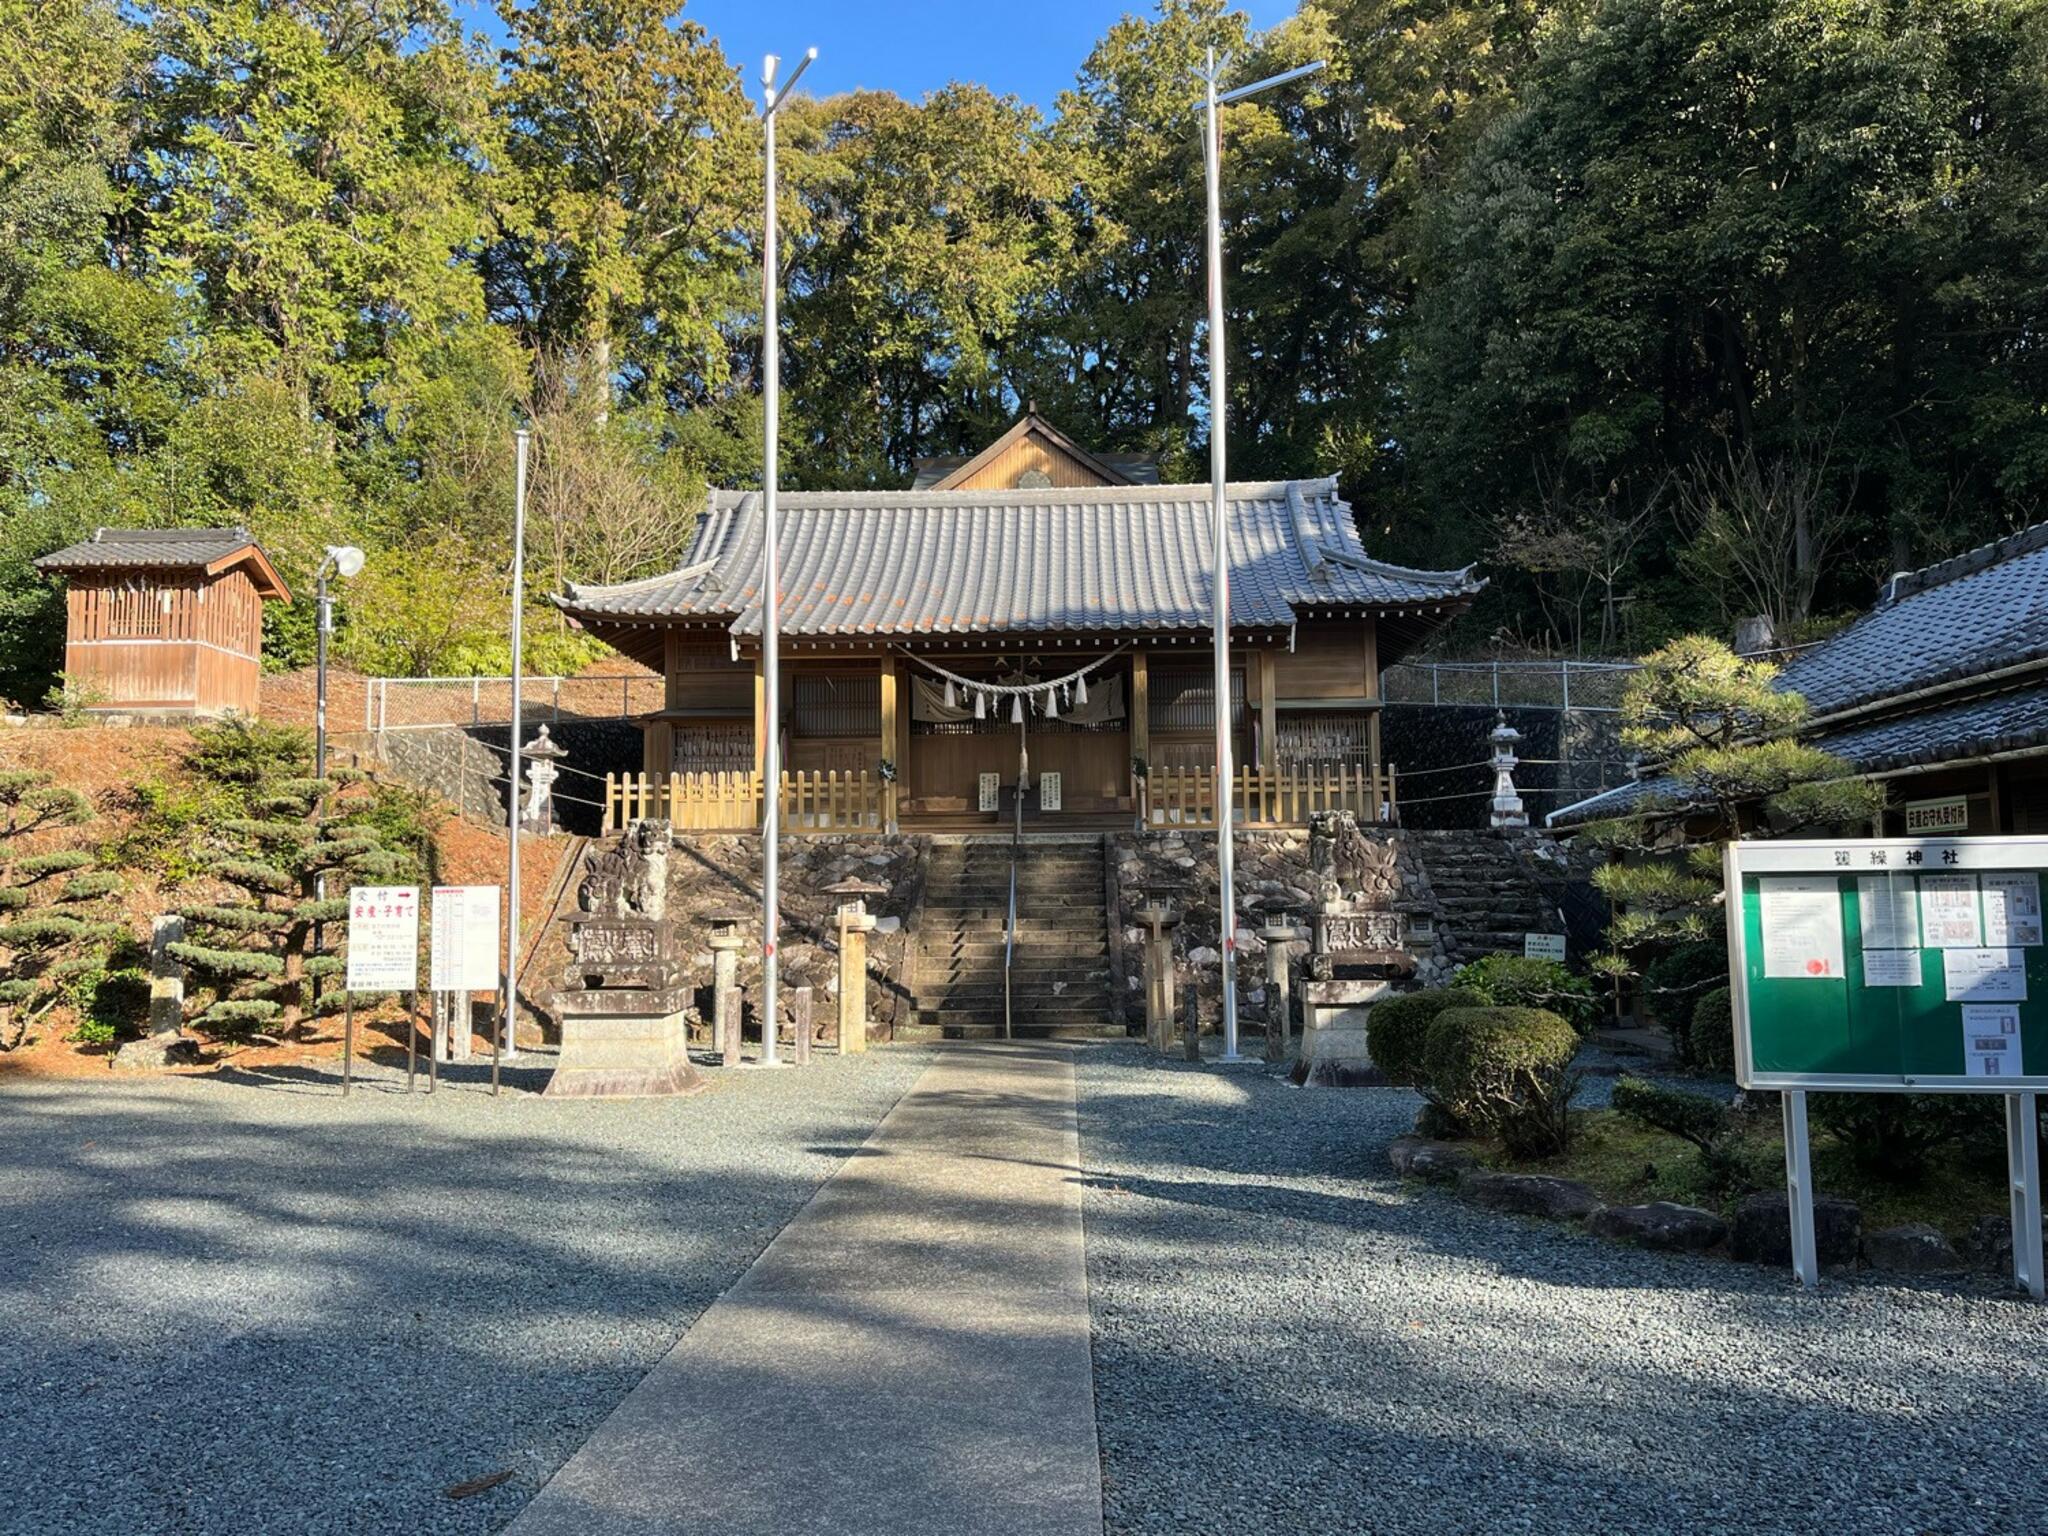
x=171 y=642
x=1031 y=452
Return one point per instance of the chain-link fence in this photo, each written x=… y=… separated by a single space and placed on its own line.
x=1561 y=684
x=421 y=703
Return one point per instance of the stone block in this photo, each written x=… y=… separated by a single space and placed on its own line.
x=1913 y=1249
x=1529 y=1194
x=1661 y=1224
x=1434 y=1162
x=1762 y=1230
x=622 y=1054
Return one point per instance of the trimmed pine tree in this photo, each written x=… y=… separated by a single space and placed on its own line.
x=255 y=951
x=60 y=936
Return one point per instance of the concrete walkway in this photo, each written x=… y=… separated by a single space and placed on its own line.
x=910 y=1355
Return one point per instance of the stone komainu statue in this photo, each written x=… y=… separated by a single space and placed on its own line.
x=630 y=878
x=1347 y=863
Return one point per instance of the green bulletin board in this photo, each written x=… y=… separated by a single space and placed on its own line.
x=1902 y=965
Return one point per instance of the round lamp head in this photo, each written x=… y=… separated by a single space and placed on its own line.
x=348 y=560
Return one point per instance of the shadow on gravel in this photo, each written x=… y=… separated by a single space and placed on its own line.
x=243 y=1304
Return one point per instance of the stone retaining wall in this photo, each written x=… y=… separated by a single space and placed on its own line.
x=711 y=872
x=1269 y=865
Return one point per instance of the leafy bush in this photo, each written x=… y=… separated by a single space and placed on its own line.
x=1399 y=1027
x=1711 y=1038
x=1703 y=1121
x=1673 y=983
x=1516 y=981
x=1889 y=1136
x=1506 y=1071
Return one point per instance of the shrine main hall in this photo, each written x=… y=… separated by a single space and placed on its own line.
x=1034 y=615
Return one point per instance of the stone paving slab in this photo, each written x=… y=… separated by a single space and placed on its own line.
x=910 y=1355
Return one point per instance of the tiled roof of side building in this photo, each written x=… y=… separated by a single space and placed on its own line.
x=1963 y=618
x=2015 y=720
x=1061 y=560
x=160 y=548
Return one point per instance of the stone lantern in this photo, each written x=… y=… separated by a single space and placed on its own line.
x=1160 y=920
x=727 y=940
x=1507 y=804
x=543 y=760
x=854 y=927
x=1278 y=931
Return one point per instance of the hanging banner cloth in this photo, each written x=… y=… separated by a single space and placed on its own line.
x=928 y=702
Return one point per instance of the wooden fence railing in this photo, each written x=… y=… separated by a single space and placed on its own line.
x=1287 y=798
x=731 y=802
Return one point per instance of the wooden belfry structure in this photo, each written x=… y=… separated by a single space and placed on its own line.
x=166 y=620
x=1033 y=603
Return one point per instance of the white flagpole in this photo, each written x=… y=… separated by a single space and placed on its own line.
x=771 y=577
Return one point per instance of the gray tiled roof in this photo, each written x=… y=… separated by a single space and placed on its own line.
x=2012 y=721
x=1962 y=618
x=148 y=548
x=1949 y=623
x=977 y=561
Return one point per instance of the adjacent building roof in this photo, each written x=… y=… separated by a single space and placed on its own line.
x=1940 y=670
x=1095 y=559
x=208 y=550
x=1975 y=614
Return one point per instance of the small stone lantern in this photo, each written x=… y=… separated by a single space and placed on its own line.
x=727 y=941
x=1507 y=803
x=854 y=927
x=1160 y=920
x=1278 y=931
x=543 y=759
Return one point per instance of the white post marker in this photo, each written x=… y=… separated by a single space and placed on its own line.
x=2023 y=1159
x=772 y=98
x=1226 y=872
x=1799 y=1189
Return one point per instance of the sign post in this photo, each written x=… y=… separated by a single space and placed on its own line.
x=1911 y=965
x=383 y=953
x=462 y=947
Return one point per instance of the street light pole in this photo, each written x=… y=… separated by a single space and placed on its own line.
x=772 y=98
x=1219 y=502
x=508 y=999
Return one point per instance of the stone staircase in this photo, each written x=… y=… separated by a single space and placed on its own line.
x=1061 y=966
x=1485 y=896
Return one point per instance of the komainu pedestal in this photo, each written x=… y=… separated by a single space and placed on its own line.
x=1359 y=948
x=622 y=999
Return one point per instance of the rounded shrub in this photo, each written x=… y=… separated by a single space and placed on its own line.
x=1399 y=1026
x=1711 y=1037
x=1506 y=1072
x=1519 y=981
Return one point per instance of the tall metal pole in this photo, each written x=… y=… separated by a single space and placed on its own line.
x=771 y=607
x=772 y=99
x=1226 y=872
x=508 y=1006
x=1226 y=851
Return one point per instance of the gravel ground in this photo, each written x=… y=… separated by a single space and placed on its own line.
x=241 y=1305
x=1288 y=1340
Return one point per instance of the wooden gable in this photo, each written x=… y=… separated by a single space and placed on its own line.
x=1031 y=449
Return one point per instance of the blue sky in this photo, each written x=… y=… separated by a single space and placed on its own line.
x=915 y=46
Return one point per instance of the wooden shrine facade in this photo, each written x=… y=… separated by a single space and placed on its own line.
x=166 y=620
x=902 y=611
